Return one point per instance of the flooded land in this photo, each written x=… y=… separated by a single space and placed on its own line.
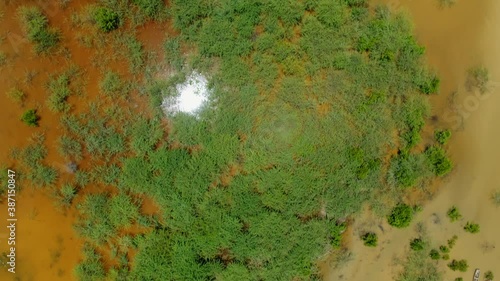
x=249 y=140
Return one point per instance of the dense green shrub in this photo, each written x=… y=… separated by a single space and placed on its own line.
x=472 y=227
x=92 y=267
x=434 y=254
x=106 y=19
x=417 y=244
x=406 y=169
x=439 y=162
x=66 y=195
x=488 y=275
x=460 y=265
x=16 y=95
x=444 y=249
x=59 y=89
x=30 y=118
x=336 y=234
x=454 y=214
x=430 y=85
x=459 y=279
x=370 y=239
x=443 y=136
x=401 y=216
x=36 y=27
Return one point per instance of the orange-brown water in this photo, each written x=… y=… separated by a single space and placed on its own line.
x=47 y=247
x=456 y=39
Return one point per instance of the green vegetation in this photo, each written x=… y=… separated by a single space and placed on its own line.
x=36 y=27
x=419 y=267
x=66 y=194
x=59 y=88
x=112 y=85
x=152 y=8
x=444 y=249
x=16 y=95
x=336 y=234
x=434 y=254
x=488 y=275
x=454 y=214
x=91 y=268
x=417 y=244
x=452 y=241
x=495 y=198
x=460 y=265
x=478 y=79
x=30 y=118
x=439 y=162
x=471 y=227
x=370 y=239
x=70 y=148
x=106 y=19
x=401 y=216
x=442 y=136
x=459 y=279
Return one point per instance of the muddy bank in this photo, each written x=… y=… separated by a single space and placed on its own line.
x=456 y=39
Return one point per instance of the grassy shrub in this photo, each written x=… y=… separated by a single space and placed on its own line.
x=66 y=194
x=452 y=241
x=36 y=27
x=16 y=95
x=434 y=254
x=442 y=137
x=454 y=214
x=459 y=279
x=418 y=267
x=495 y=198
x=30 y=118
x=70 y=148
x=444 y=249
x=401 y=216
x=488 y=275
x=336 y=234
x=429 y=85
x=406 y=169
x=92 y=267
x=112 y=85
x=152 y=8
x=59 y=91
x=439 y=162
x=370 y=239
x=478 y=78
x=122 y=211
x=106 y=19
x=472 y=227
x=417 y=244
x=460 y=265
x=94 y=222
x=445 y=257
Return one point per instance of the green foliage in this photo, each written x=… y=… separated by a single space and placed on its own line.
x=434 y=254
x=401 y=216
x=407 y=169
x=152 y=8
x=445 y=257
x=417 y=244
x=447 y=3
x=444 y=249
x=66 y=194
x=472 y=227
x=459 y=279
x=439 y=162
x=16 y=95
x=488 y=275
x=92 y=267
x=112 y=85
x=122 y=211
x=36 y=27
x=452 y=241
x=460 y=265
x=419 y=267
x=442 y=137
x=454 y=214
x=59 y=91
x=429 y=85
x=30 y=118
x=370 y=239
x=106 y=19
x=70 y=148
x=336 y=234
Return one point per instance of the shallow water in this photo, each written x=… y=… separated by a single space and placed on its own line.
x=456 y=39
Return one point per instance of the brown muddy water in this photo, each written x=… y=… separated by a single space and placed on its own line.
x=47 y=247
x=456 y=39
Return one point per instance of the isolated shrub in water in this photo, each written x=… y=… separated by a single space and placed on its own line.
x=471 y=227
x=442 y=137
x=106 y=19
x=439 y=162
x=370 y=239
x=30 y=118
x=444 y=249
x=454 y=214
x=452 y=241
x=488 y=275
x=460 y=265
x=417 y=244
x=401 y=216
x=434 y=254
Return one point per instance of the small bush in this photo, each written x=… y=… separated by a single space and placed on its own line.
x=460 y=265
x=152 y=8
x=67 y=194
x=495 y=197
x=453 y=214
x=439 y=163
x=445 y=257
x=336 y=234
x=16 y=96
x=111 y=84
x=459 y=279
x=106 y=19
x=30 y=118
x=434 y=254
x=488 y=275
x=478 y=78
x=59 y=90
x=417 y=244
x=452 y=241
x=70 y=148
x=443 y=136
x=36 y=26
x=370 y=239
x=430 y=86
x=444 y=249
x=471 y=227
x=401 y=216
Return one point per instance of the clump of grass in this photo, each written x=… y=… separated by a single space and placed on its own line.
x=419 y=267
x=66 y=194
x=36 y=27
x=478 y=78
x=472 y=227
x=444 y=249
x=488 y=275
x=439 y=162
x=70 y=148
x=452 y=241
x=417 y=244
x=30 y=118
x=460 y=265
x=434 y=254
x=16 y=95
x=92 y=267
x=459 y=279
x=454 y=214
x=59 y=90
x=106 y=19
x=401 y=216
x=370 y=239
x=442 y=136
x=495 y=198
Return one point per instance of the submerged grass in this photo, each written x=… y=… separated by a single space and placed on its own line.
x=37 y=29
